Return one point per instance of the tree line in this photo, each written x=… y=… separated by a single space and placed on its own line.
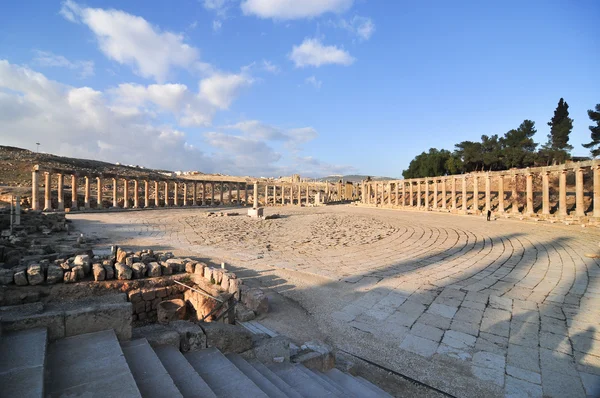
x=515 y=149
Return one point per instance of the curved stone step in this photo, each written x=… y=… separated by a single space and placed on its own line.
x=223 y=377
x=325 y=382
x=349 y=383
x=90 y=365
x=262 y=382
x=273 y=378
x=187 y=380
x=305 y=385
x=150 y=375
x=22 y=360
x=378 y=390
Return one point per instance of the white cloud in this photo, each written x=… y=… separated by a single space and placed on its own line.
x=313 y=82
x=131 y=40
x=221 y=89
x=293 y=9
x=313 y=53
x=218 y=6
x=48 y=59
x=270 y=67
x=291 y=138
x=362 y=27
x=217 y=25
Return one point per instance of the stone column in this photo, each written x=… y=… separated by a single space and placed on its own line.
x=545 y=193
x=255 y=205
x=73 y=192
x=47 y=192
x=475 y=193
x=411 y=199
x=185 y=193
x=195 y=193
x=444 y=194
x=397 y=191
x=596 y=199
x=266 y=195
x=35 y=190
x=136 y=194
x=239 y=202
x=115 y=198
x=501 y=193
x=212 y=193
x=146 y=193
x=166 y=193
x=418 y=194
x=403 y=193
x=464 y=194
x=426 y=199
x=579 y=210
x=514 y=195
x=175 y=194
x=435 y=193
x=376 y=194
x=203 y=193
x=488 y=192
x=453 y=195
x=86 y=202
x=221 y=194
x=61 y=193
x=246 y=193
x=307 y=194
x=125 y=193
x=99 y=188
x=389 y=201
x=274 y=195
x=529 y=194
x=156 y=194
x=283 y=195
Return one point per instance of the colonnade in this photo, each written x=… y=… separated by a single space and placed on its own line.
x=130 y=192
x=299 y=193
x=514 y=191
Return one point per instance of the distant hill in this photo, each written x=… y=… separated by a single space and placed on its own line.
x=353 y=178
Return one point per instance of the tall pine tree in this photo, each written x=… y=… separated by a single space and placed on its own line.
x=557 y=148
x=594 y=146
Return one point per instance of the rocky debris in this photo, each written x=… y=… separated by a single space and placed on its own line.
x=243 y=314
x=270 y=350
x=35 y=274
x=121 y=255
x=21 y=276
x=84 y=261
x=227 y=338
x=6 y=276
x=70 y=277
x=315 y=355
x=256 y=300
x=139 y=270
x=154 y=269
x=191 y=336
x=272 y=217
x=123 y=271
x=78 y=270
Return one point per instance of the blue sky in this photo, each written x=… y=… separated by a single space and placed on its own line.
x=273 y=87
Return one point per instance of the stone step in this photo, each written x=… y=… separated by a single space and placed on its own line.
x=301 y=382
x=187 y=380
x=349 y=383
x=150 y=375
x=375 y=388
x=325 y=382
x=223 y=377
x=22 y=360
x=90 y=365
x=273 y=378
x=262 y=382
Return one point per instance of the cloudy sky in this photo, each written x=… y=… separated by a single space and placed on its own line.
x=273 y=87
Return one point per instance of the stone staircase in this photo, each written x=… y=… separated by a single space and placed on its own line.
x=98 y=365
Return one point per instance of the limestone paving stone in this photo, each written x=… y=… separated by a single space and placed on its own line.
x=419 y=345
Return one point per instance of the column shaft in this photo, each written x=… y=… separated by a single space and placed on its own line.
x=156 y=194
x=47 y=192
x=403 y=193
x=185 y=193
x=166 y=193
x=126 y=193
x=453 y=195
x=476 y=194
x=61 y=193
x=73 y=192
x=545 y=193
x=86 y=202
x=175 y=193
x=488 y=193
x=501 y=193
x=115 y=199
x=435 y=194
x=444 y=194
x=136 y=194
x=514 y=195
x=35 y=190
x=464 y=194
x=596 y=202
x=579 y=209
x=255 y=199
x=146 y=193
x=529 y=194
x=99 y=189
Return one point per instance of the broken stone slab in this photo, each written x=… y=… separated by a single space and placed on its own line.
x=157 y=335
x=316 y=355
x=35 y=274
x=6 y=276
x=154 y=269
x=85 y=262
x=99 y=272
x=139 y=270
x=55 y=274
x=271 y=350
x=123 y=272
x=227 y=338
x=256 y=300
x=192 y=337
x=243 y=314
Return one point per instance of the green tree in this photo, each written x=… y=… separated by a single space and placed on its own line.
x=470 y=154
x=557 y=148
x=518 y=147
x=428 y=164
x=594 y=145
x=491 y=152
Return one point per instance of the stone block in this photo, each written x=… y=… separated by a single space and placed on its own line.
x=161 y=292
x=54 y=321
x=123 y=271
x=139 y=270
x=166 y=268
x=20 y=277
x=319 y=357
x=6 y=276
x=121 y=255
x=269 y=349
x=55 y=274
x=199 y=269
x=208 y=273
x=256 y=213
x=70 y=277
x=190 y=267
x=148 y=295
x=243 y=314
x=99 y=272
x=171 y=310
x=176 y=264
x=154 y=269
x=139 y=307
x=85 y=262
x=157 y=335
x=227 y=338
x=35 y=274
x=256 y=300
x=109 y=271
x=234 y=287
x=116 y=316
x=192 y=337
x=135 y=296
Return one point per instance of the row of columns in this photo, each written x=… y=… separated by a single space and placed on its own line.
x=375 y=192
x=288 y=193
x=205 y=200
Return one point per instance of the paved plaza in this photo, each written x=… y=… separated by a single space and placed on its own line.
x=467 y=306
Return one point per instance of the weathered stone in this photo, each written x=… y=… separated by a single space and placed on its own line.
x=208 y=274
x=35 y=274
x=319 y=357
x=171 y=310
x=217 y=275
x=227 y=338
x=161 y=292
x=271 y=350
x=129 y=261
x=199 y=269
x=21 y=277
x=234 y=287
x=135 y=296
x=225 y=281
x=243 y=314
x=157 y=335
x=190 y=267
x=154 y=269
x=99 y=272
x=176 y=264
x=109 y=271
x=55 y=274
x=89 y=319
x=78 y=270
x=256 y=300
x=148 y=295
x=139 y=270
x=166 y=268
x=6 y=276
x=84 y=261
x=123 y=272
x=121 y=256
x=191 y=336
x=70 y=277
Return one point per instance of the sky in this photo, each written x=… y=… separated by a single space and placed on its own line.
x=276 y=87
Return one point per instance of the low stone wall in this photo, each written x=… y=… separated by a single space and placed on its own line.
x=145 y=301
